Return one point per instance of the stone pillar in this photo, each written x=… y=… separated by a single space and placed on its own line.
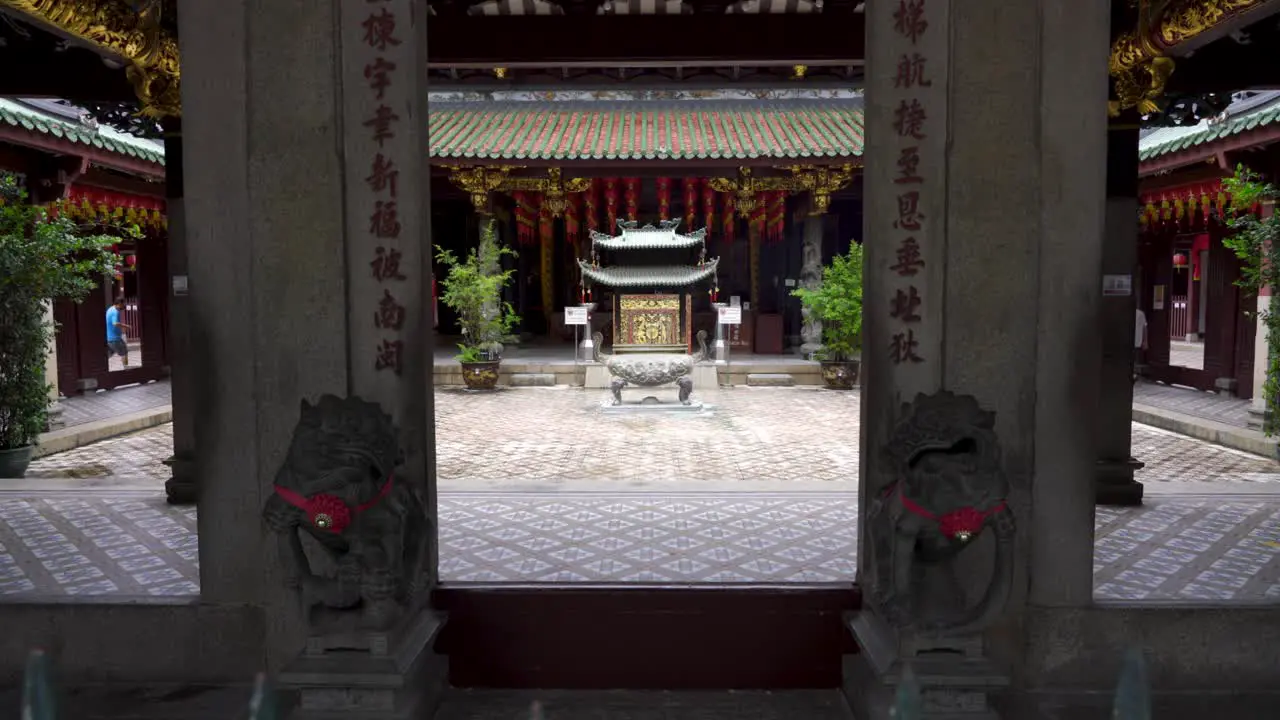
x=54 y=419
x=1260 y=405
x=307 y=211
x=984 y=229
x=810 y=279
x=1114 y=483
x=181 y=486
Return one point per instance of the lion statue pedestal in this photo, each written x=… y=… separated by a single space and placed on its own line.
x=947 y=497
x=355 y=538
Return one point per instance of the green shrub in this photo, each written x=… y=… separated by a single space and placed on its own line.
x=837 y=303
x=41 y=258
x=473 y=289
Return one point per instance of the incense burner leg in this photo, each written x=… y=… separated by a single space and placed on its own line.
x=686 y=389
x=615 y=387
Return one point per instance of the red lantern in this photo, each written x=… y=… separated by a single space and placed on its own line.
x=1179 y=261
x=131 y=260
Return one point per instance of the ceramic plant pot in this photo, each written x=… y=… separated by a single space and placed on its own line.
x=14 y=462
x=481 y=375
x=840 y=375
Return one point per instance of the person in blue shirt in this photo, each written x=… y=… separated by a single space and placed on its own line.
x=116 y=344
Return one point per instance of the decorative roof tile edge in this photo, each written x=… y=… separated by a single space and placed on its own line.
x=18 y=115
x=1254 y=119
x=659 y=276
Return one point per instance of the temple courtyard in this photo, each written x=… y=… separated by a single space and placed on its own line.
x=539 y=485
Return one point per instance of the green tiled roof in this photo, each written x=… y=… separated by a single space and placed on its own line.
x=103 y=138
x=789 y=130
x=1171 y=140
x=638 y=276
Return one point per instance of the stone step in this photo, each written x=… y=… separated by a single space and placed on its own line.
x=533 y=379
x=770 y=380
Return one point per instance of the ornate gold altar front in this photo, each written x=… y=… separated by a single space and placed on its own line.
x=649 y=323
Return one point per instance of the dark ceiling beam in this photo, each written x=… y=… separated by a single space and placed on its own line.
x=668 y=40
x=1225 y=27
x=73 y=74
x=1228 y=66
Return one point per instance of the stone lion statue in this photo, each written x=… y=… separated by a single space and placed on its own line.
x=948 y=489
x=368 y=563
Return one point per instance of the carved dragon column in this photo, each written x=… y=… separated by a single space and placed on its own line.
x=983 y=234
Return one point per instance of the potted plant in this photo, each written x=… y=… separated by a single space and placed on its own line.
x=837 y=304
x=472 y=288
x=42 y=257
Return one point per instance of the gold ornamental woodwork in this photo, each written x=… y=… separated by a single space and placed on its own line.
x=553 y=187
x=642 y=303
x=114 y=27
x=821 y=182
x=479 y=182
x=747 y=188
x=1138 y=61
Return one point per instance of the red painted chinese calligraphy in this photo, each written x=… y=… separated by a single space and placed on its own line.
x=383 y=176
x=908 y=119
x=909 y=258
x=905 y=303
x=909 y=215
x=390 y=356
x=390 y=314
x=386 y=264
x=380 y=30
x=909 y=167
x=378 y=73
x=904 y=347
x=381 y=123
x=911 y=72
x=909 y=21
x=385 y=220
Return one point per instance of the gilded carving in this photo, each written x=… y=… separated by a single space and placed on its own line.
x=118 y=28
x=747 y=188
x=820 y=181
x=1138 y=63
x=650 y=302
x=479 y=182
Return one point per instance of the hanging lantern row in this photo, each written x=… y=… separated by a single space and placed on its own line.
x=87 y=212
x=1185 y=207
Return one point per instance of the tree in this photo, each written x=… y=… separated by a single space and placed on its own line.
x=42 y=257
x=837 y=302
x=1256 y=242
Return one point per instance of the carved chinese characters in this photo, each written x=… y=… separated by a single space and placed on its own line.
x=911 y=126
x=382 y=30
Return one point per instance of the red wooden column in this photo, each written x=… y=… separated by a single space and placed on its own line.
x=91 y=338
x=1155 y=302
x=153 y=274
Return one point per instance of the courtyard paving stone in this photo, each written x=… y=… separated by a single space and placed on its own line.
x=711 y=497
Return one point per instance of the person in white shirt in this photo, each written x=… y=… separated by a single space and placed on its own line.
x=1139 y=341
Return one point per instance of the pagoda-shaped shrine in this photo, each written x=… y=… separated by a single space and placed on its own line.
x=652 y=273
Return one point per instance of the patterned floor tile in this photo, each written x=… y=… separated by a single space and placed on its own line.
x=662 y=529
x=96 y=544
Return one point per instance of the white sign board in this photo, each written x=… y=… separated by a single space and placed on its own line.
x=575 y=315
x=730 y=316
x=1117 y=285
x=179 y=285
x=735 y=301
